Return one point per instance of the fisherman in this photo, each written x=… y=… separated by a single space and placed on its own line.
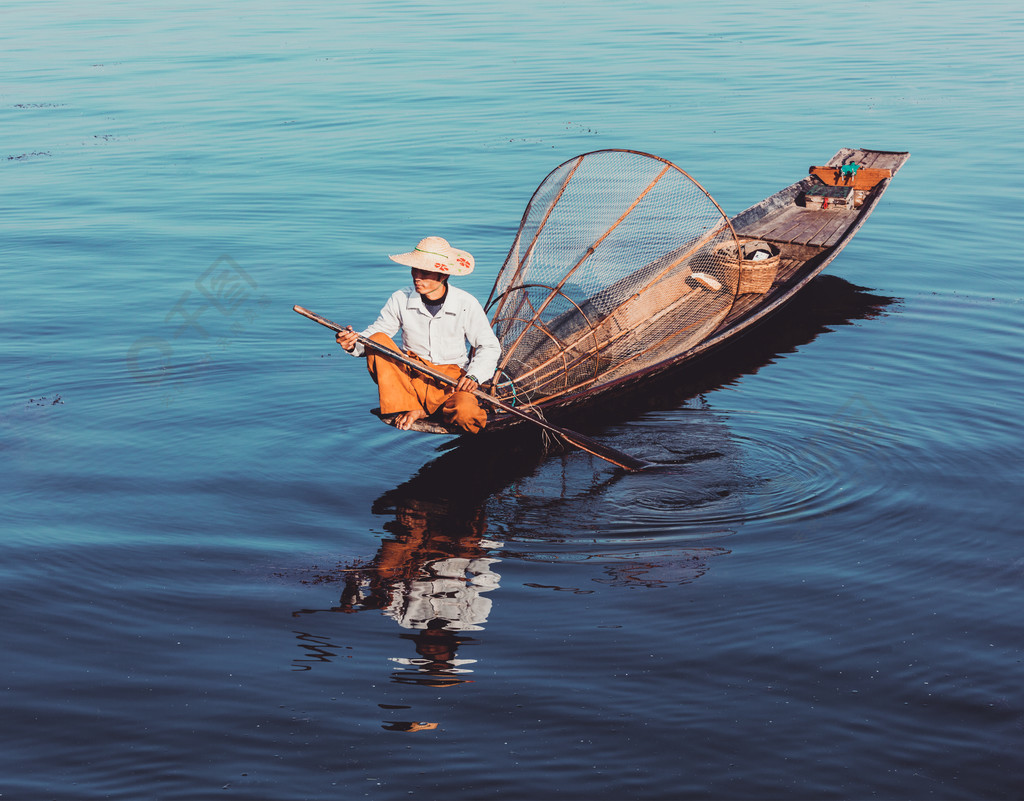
x=437 y=322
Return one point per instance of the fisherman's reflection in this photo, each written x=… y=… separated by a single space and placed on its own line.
x=432 y=576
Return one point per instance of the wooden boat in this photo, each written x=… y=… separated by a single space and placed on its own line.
x=624 y=266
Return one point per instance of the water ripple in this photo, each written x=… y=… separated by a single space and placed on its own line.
x=713 y=475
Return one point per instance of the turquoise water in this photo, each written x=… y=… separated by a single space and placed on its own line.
x=816 y=595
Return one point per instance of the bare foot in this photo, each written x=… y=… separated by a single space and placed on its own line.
x=405 y=420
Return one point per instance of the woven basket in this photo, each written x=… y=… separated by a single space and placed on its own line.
x=755 y=277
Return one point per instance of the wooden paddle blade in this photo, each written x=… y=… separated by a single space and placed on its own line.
x=602 y=451
x=591 y=446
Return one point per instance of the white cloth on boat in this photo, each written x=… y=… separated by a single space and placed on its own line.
x=441 y=339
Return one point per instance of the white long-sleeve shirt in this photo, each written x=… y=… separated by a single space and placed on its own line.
x=441 y=339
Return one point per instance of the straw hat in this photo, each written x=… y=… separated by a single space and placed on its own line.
x=435 y=255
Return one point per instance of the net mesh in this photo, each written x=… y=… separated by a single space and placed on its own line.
x=617 y=267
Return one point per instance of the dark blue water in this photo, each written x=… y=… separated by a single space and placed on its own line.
x=219 y=570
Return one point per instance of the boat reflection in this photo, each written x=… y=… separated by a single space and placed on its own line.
x=826 y=303
x=436 y=573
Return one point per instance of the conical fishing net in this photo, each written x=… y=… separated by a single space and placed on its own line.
x=619 y=266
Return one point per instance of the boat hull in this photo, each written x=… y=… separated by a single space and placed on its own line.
x=808 y=232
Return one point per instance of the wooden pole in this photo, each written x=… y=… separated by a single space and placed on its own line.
x=602 y=451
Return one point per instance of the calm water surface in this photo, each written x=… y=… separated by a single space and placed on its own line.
x=220 y=572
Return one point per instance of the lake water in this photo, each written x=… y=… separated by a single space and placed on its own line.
x=817 y=594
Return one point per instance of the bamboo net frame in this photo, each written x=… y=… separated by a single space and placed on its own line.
x=612 y=272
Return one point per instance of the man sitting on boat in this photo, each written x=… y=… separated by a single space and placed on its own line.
x=437 y=322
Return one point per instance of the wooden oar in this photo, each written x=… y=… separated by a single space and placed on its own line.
x=623 y=460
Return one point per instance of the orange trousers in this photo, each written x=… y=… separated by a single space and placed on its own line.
x=403 y=389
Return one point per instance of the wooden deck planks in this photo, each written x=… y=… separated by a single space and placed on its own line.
x=799 y=226
x=830 y=234
x=871 y=160
x=874 y=159
x=816 y=226
x=771 y=227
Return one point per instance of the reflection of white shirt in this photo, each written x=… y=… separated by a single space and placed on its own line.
x=441 y=339
x=452 y=595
